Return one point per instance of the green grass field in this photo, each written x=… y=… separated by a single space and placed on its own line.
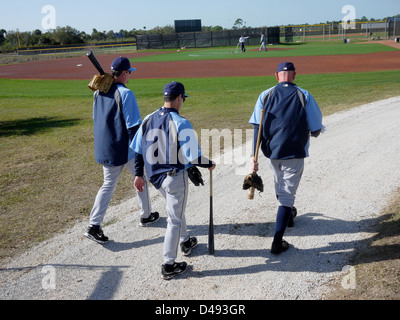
x=48 y=177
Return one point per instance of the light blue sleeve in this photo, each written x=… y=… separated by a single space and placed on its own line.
x=314 y=114
x=94 y=102
x=130 y=107
x=136 y=144
x=187 y=139
x=256 y=116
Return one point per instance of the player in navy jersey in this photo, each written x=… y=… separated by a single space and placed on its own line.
x=116 y=118
x=166 y=146
x=292 y=116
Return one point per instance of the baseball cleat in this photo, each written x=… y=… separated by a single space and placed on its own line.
x=95 y=234
x=277 y=248
x=154 y=216
x=171 y=270
x=187 y=246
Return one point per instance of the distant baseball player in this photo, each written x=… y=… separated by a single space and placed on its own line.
x=116 y=118
x=167 y=147
x=263 y=41
x=242 y=42
x=292 y=115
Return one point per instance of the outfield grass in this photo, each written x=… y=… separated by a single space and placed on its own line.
x=289 y=50
x=48 y=177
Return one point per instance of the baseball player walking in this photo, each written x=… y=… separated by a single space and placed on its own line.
x=166 y=146
x=116 y=118
x=263 y=41
x=292 y=115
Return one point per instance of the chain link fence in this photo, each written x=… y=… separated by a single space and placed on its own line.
x=73 y=48
x=67 y=51
x=373 y=30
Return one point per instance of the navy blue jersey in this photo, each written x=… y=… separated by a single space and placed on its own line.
x=285 y=133
x=166 y=142
x=116 y=117
x=288 y=121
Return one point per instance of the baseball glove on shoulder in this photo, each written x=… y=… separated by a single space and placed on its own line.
x=102 y=83
x=253 y=180
x=195 y=176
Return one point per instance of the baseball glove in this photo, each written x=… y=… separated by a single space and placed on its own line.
x=102 y=83
x=253 y=180
x=195 y=176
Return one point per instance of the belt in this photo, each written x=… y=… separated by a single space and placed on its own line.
x=173 y=173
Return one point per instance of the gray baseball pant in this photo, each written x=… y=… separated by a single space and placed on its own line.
x=175 y=190
x=287 y=176
x=103 y=198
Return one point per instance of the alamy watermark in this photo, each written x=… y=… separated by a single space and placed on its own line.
x=49 y=280
x=49 y=20
x=221 y=146
x=349 y=281
x=349 y=20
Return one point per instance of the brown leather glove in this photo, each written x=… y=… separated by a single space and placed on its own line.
x=102 y=83
x=253 y=180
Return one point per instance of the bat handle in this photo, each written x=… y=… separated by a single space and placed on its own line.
x=250 y=194
x=211 y=186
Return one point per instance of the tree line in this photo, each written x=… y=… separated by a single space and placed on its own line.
x=11 y=40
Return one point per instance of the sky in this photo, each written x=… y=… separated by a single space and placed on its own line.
x=105 y=15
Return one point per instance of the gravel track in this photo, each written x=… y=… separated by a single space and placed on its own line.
x=348 y=179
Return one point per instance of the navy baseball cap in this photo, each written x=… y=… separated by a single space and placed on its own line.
x=175 y=89
x=122 y=64
x=285 y=66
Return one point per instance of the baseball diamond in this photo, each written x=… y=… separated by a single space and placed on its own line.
x=68 y=68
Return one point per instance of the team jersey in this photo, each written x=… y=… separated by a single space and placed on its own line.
x=167 y=142
x=130 y=108
x=114 y=114
x=287 y=123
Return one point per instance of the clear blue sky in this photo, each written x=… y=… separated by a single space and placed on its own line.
x=26 y=15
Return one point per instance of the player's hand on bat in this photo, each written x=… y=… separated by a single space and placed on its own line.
x=139 y=184
x=253 y=165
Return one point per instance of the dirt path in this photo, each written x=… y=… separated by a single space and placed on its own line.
x=349 y=177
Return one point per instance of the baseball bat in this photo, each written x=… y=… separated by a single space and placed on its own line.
x=250 y=195
x=95 y=62
x=211 y=224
